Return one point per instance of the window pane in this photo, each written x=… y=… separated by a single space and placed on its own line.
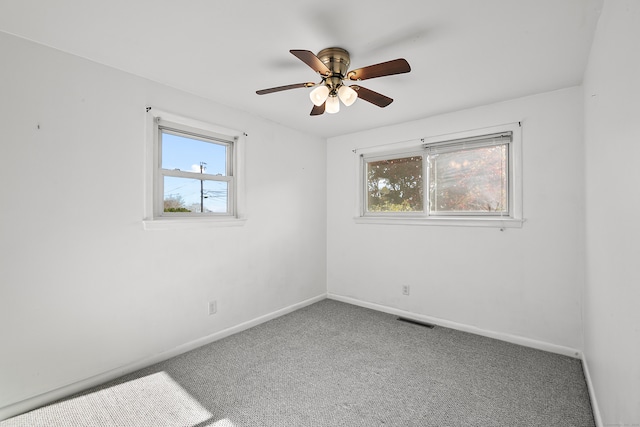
x=194 y=195
x=190 y=154
x=470 y=180
x=395 y=185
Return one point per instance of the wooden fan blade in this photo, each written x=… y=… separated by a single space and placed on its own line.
x=397 y=66
x=311 y=60
x=287 y=87
x=373 y=97
x=317 y=110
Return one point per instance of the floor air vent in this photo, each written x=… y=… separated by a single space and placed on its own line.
x=416 y=322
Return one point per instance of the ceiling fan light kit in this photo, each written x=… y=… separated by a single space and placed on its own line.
x=332 y=64
x=319 y=95
x=333 y=105
x=347 y=95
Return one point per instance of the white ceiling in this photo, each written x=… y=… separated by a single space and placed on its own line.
x=463 y=53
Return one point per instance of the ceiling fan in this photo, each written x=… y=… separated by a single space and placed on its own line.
x=333 y=64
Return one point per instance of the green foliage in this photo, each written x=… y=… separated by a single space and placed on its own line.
x=174 y=203
x=395 y=185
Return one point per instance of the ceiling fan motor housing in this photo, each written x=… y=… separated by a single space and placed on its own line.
x=337 y=61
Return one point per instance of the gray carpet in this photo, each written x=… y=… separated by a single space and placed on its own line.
x=334 y=364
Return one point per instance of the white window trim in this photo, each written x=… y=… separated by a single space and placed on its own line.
x=414 y=147
x=151 y=221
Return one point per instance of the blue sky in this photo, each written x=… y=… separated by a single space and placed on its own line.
x=186 y=154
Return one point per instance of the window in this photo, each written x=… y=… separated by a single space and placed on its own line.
x=471 y=178
x=395 y=184
x=195 y=173
x=192 y=170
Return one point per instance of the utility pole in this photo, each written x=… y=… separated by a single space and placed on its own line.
x=203 y=166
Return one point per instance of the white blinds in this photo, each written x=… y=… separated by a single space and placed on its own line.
x=467 y=143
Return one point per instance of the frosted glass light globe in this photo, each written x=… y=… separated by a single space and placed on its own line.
x=347 y=95
x=333 y=105
x=319 y=95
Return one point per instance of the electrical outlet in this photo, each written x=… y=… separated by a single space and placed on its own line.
x=405 y=289
x=213 y=307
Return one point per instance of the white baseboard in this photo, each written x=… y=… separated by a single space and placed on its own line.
x=592 y=395
x=31 y=403
x=514 y=339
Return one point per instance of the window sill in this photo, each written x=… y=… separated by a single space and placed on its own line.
x=455 y=222
x=191 y=223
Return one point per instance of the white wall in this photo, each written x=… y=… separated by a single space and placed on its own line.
x=612 y=311
x=84 y=289
x=520 y=282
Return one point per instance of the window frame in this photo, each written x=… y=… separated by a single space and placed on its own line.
x=154 y=216
x=178 y=129
x=420 y=147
